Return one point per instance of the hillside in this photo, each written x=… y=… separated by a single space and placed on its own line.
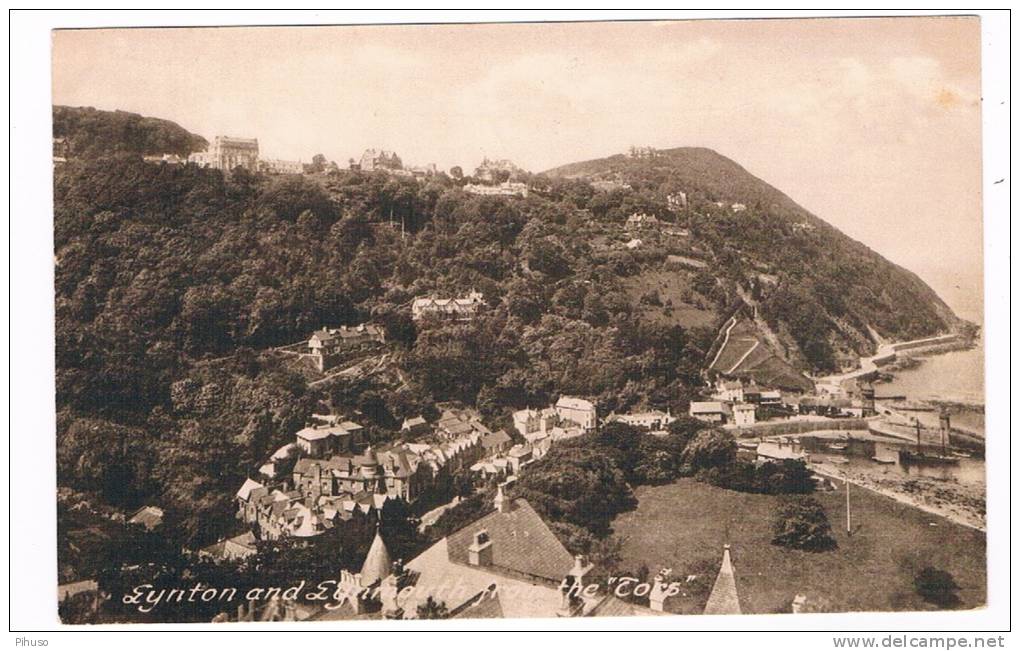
x=820 y=293
x=93 y=133
x=173 y=282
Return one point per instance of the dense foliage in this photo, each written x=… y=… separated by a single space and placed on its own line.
x=90 y=133
x=802 y=523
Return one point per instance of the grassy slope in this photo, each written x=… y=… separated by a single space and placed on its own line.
x=871 y=571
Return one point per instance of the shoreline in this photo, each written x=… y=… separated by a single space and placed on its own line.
x=937 y=497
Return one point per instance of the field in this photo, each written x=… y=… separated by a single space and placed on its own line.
x=685 y=524
x=672 y=287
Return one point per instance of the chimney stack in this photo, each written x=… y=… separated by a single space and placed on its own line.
x=480 y=551
x=502 y=502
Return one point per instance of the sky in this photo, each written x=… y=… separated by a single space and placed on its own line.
x=872 y=124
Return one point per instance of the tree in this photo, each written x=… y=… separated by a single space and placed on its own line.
x=802 y=524
x=711 y=448
x=432 y=609
x=937 y=587
x=457 y=172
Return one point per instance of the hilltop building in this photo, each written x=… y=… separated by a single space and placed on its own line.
x=276 y=166
x=373 y=160
x=226 y=153
x=496 y=170
x=504 y=189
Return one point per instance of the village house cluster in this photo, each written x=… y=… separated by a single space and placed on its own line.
x=742 y=404
x=330 y=471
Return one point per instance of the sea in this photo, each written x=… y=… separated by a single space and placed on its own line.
x=956 y=376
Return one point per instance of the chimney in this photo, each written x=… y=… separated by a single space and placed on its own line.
x=657 y=596
x=502 y=502
x=798 y=604
x=571 y=602
x=480 y=551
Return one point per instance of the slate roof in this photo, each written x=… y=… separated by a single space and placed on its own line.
x=495 y=439
x=487 y=606
x=522 y=544
x=377 y=564
x=247 y=487
x=706 y=408
x=724 y=600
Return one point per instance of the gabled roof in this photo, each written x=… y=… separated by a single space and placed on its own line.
x=723 y=600
x=522 y=544
x=246 y=488
x=706 y=408
x=494 y=439
x=149 y=517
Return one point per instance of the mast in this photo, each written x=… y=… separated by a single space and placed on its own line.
x=918 y=423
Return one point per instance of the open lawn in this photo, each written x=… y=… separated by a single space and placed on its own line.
x=685 y=524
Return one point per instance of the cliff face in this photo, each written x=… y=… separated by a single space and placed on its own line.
x=822 y=292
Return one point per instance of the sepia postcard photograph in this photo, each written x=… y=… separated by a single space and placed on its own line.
x=519 y=321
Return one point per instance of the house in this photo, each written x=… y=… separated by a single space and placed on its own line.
x=230 y=549
x=496 y=442
x=709 y=412
x=738 y=207
x=493 y=170
x=770 y=398
x=169 y=159
x=578 y=411
x=743 y=414
x=723 y=600
x=414 y=426
x=373 y=160
x=321 y=440
x=504 y=189
x=729 y=390
x=460 y=308
x=276 y=166
x=149 y=517
x=640 y=220
x=327 y=345
x=508 y=563
x=652 y=420
x=227 y=152
x=677 y=201
x=534 y=423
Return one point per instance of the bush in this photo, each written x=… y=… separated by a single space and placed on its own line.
x=803 y=524
x=937 y=587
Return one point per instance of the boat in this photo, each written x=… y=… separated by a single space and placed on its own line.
x=837 y=460
x=838 y=447
x=960 y=454
x=920 y=457
x=883 y=460
x=748 y=445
